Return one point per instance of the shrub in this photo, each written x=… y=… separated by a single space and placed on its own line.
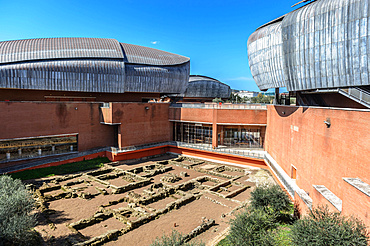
x=271 y=199
x=16 y=221
x=323 y=227
x=252 y=227
x=217 y=100
x=174 y=239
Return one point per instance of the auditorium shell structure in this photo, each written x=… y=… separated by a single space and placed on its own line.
x=202 y=89
x=86 y=66
x=322 y=45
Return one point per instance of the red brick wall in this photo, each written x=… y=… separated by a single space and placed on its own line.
x=323 y=156
x=191 y=114
x=140 y=125
x=235 y=116
x=242 y=116
x=31 y=119
x=39 y=95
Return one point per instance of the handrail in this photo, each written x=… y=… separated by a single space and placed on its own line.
x=357 y=94
x=245 y=153
x=219 y=106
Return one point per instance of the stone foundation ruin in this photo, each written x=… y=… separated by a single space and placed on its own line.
x=125 y=198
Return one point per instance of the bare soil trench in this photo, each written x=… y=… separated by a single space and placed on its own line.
x=132 y=203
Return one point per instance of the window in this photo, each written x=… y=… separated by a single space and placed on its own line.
x=294 y=172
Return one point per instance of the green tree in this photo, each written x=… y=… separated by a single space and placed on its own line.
x=16 y=221
x=323 y=227
x=217 y=100
x=235 y=98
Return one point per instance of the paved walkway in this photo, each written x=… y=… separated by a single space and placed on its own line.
x=254 y=153
x=38 y=162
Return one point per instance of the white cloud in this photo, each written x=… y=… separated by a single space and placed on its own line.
x=154 y=42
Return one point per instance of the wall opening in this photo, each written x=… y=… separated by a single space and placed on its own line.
x=294 y=173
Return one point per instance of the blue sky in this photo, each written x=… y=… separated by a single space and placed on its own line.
x=212 y=33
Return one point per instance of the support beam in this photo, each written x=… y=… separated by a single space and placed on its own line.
x=276 y=100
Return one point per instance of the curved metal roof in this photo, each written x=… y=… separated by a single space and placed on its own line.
x=193 y=78
x=206 y=87
x=324 y=44
x=144 y=55
x=90 y=64
x=58 y=48
x=64 y=75
x=265 y=56
x=72 y=48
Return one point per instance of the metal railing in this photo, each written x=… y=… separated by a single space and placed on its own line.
x=361 y=95
x=33 y=155
x=105 y=105
x=218 y=106
x=206 y=147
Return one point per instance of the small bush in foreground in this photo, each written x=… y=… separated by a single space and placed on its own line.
x=16 y=221
x=323 y=227
x=174 y=239
x=252 y=227
x=271 y=199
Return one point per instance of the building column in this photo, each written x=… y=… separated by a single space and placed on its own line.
x=276 y=100
x=222 y=135
x=214 y=129
x=119 y=138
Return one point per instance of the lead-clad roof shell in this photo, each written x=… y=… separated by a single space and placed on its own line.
x=143 y=55
x=206 y=87
x=59 y=48
x=324 y=44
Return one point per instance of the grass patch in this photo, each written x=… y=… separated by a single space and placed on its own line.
x=283 y=236
x=61 y=169
x=224 y=242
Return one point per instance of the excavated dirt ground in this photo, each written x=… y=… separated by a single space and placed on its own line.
x=132 y=203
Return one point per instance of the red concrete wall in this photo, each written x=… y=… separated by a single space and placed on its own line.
x=140 y=125
x=39 y=95
x=242 y=116
x=31 y=119
x=191 y=114
x=107 y=114
x=323 y=156
x=187 y=151
x=247 y=161
x=230 y=116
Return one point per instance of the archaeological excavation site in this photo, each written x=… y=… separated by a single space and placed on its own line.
x=134 y=202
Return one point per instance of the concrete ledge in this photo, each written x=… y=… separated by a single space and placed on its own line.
x=305 y=198
x=330 y=196
x=359 y=184
x=284 y=178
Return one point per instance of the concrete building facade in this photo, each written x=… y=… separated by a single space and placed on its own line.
x=71 y=95
x=319 y=152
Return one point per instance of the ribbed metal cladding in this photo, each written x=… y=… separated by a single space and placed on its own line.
x=265 y=55
x=90 y=65
x=205 y=87
x=164 y=79
x=144 y=55
x=65 y=75
x=326 y=45
x=58 y=48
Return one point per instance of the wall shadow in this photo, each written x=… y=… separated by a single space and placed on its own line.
x=285 y=111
